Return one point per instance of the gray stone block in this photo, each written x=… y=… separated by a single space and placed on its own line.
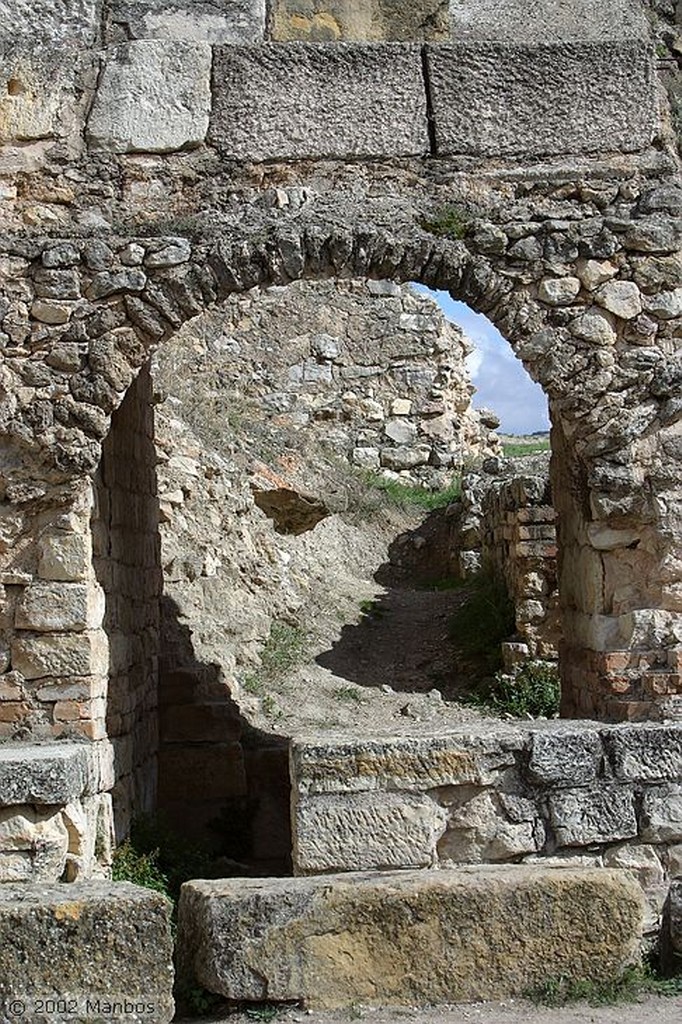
x=512 y=99
x=153 y=96
x=361 y=831
x=546 y=20
x=305 y=101
x=645 y=753
x=566 y=758
x=580 y=817
x=87 y=945
x=69 y=21
x=661 y=815
x=50 y=774
x=406 y=938
x=211 y=21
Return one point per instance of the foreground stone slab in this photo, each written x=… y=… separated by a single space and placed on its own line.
x=318 y=101
x=88 y=951
x=406 y=938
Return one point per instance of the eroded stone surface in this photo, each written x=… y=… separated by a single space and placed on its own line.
x=492 y=99
x=93 y=940
x=336 y=941
x=154 y=96
x=312 y=101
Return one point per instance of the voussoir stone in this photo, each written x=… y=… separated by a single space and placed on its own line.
x=559 y=291
x=153 y=96
x=305 y=100
x=406 y=938
x=96 y=943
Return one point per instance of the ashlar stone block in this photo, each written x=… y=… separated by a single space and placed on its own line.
x=46 y=607
x=211 y=21
x=406 y=938
x=322 y=101
x=360 y=831
x=581 y=816
x=153 y=96
x=662 y=814
x=61 y=654
x=319 y=21
x=515 y=98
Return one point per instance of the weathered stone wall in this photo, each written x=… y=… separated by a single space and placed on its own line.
x=507 y=526
x=547 y=793
x=369 y=371
x=126 y=551
x=254 y=164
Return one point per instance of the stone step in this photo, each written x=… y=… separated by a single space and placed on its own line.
x=406 y=938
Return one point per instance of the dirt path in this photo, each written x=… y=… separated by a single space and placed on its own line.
x=653 y=1010
x=402 y=640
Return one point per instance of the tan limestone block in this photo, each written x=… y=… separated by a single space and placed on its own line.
x=410 y=937
x=61 y=654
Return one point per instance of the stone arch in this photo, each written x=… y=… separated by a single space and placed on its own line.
x=591 y=312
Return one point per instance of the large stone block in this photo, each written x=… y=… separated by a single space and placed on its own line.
x=69 y=21
x=582 y=816
x=50 y=773
x=60 y=606
x=41 y=90
x=370 y=21
x=661 y=814
x=407 y=938
x=565 y=757
x=544 y=20
x=645 y=753
x=508 y=99
x=211 y=21
x=153 y=96
x=410 y=764
x=91 y=944
x=318 y=101
x=33 y=844
x=365 y=830
x=61 y=654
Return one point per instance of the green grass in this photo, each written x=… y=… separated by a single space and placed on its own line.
x=483 y=620
x=348 y=695
x=156 y=857
x=371 y=609
x=635 y=982
x=515 y=451
x=284 y=648
x=411 y=496
x=533 y=689
x=451 y=221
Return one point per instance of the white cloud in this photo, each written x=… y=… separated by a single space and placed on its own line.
x=500 y=379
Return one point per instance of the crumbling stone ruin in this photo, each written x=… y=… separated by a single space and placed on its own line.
x=158 y=159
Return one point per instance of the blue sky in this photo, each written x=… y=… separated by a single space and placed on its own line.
x=501 y=381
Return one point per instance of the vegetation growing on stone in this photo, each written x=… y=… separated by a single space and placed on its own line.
x=533 y=689
x=449 y=222
x=483 y=620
